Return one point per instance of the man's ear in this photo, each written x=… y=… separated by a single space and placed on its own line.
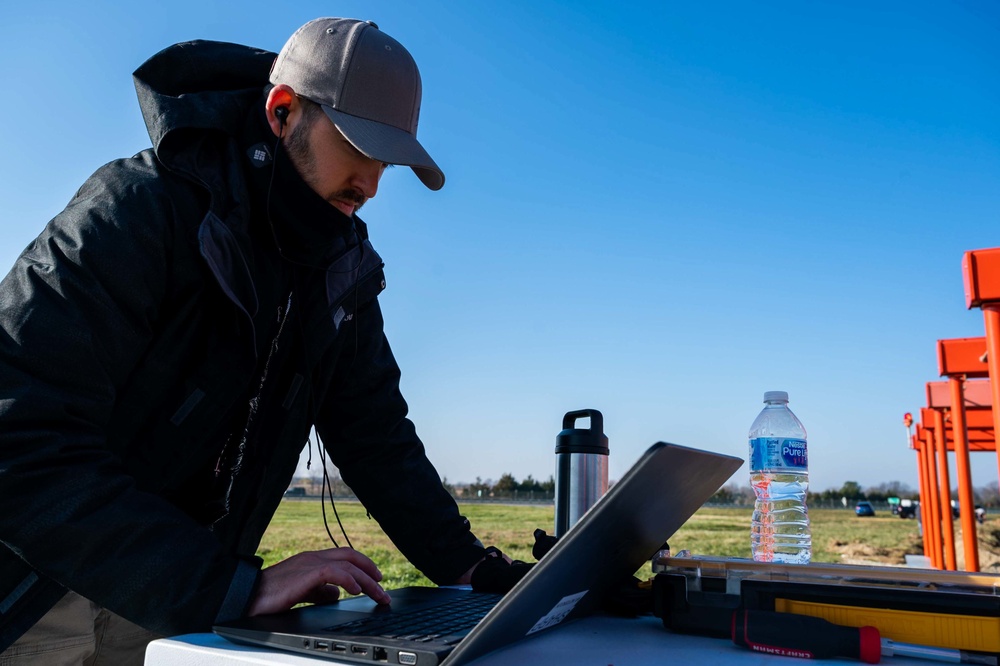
x=282 y=108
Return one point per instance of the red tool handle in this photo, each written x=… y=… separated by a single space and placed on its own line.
x=804 y=636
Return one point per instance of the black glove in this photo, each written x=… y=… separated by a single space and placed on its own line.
x=497 y=575
x=543 y=544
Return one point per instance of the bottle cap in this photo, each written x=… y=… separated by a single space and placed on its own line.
x=775 y=396
x=575 y=440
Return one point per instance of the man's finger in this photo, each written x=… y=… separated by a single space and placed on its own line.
x=354 y=580
x=325 y=594
x=360 y=560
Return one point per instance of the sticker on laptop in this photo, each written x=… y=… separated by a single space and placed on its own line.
x=558 y=612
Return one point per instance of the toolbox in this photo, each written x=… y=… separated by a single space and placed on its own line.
x=950 y=609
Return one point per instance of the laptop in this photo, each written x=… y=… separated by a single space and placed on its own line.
x=606 y=546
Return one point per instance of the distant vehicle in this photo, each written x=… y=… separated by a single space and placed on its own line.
x=864 y=508
x=297 y=491
x=907 y=508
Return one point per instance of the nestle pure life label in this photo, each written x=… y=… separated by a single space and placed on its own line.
x=772 y=453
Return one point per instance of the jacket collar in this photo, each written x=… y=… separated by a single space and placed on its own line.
x=195 y=88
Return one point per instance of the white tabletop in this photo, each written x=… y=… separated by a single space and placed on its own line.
x=598 y=641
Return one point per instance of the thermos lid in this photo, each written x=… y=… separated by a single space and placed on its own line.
x=575 y=440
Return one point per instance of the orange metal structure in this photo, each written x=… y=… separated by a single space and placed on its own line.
x=958 y=359
x=933 y=517
x=981 y=276
x=938 y=496
x=979 y=439
x=926 y=530
x=922 y=441
x=976 y=394
x=966 y=503
x=944 y=489
x=962 y=415
x=962 y=356
x=938 y=429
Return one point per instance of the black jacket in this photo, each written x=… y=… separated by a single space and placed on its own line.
x=136 y=331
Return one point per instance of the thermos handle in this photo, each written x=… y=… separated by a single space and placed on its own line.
x=596 y=419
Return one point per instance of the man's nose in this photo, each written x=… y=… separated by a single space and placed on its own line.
x=366 y=179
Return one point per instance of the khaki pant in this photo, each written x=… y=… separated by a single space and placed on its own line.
x=78 y=632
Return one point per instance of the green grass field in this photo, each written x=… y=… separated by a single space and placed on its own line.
x=838 y=535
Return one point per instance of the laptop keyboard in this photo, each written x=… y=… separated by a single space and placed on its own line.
x=445 y=623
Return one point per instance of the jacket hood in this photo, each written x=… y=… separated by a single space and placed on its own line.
x=199 y=86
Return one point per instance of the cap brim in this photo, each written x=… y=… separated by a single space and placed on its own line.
x=388 y=144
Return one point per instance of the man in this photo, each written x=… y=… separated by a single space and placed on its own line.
x=171 y=337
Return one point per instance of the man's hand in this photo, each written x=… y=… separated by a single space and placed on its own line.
x=466 y=578
x=314 y=577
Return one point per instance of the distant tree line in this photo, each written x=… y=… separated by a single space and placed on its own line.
x=741 y=494
x=508 y=488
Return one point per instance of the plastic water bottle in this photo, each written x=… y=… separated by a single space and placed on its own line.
x=779 y=475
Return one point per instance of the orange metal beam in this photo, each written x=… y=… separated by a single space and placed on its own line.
x=922 y=472
x=978 y=393
x=978 y=440
x=991 y=316
x=979 y=418
x=944 y=492
x=962 y=356
x=981 y=275
x=932 y=512
x=966 y=504
x=979 y=428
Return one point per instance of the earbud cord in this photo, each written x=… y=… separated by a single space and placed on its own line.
x=327 y=486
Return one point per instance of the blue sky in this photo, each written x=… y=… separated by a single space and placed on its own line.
x=658 y=210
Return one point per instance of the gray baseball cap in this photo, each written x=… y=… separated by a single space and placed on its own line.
x=367 y=84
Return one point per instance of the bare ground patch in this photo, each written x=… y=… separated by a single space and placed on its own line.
x=989 y=546
x=856 y=552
